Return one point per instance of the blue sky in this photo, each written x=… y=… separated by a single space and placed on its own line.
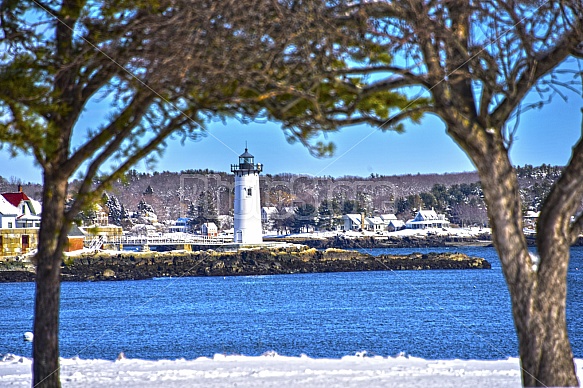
x=544 y=136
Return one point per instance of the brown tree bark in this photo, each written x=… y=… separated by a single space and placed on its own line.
x=230 y=57
x=538 y=290
x=46 y=370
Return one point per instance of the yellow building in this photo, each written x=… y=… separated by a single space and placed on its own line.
x=19 y=223
x=18 y=241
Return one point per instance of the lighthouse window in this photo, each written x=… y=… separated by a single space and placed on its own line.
x=249 y=192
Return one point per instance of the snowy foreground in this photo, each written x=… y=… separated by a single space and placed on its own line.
x=272 y=370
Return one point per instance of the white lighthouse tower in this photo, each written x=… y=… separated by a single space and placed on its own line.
x=247 y=222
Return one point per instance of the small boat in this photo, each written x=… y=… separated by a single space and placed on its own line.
x=28 y=336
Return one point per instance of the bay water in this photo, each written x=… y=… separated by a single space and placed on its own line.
x=434 y=314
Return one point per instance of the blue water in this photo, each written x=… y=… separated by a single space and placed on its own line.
x=431 y=314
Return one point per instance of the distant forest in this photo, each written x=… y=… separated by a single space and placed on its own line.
x=171 y=195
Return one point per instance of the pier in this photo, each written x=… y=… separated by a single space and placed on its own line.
x=164 y=242
x=173 y=241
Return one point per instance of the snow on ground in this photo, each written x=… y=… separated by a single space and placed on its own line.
x=454 y=232
x=271 y=370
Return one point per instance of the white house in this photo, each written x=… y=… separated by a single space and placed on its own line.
x=19 y=223
x=101 y=216
x=373 y=224
x=352 y=222
x=388 y=218
x=427 y=219
x=17 y=210
x=530 y=219
x=209 y=229
x=270 y=214
x=8 y=214
x=395 y=225
x=266 y=214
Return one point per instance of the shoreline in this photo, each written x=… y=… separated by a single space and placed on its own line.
x=411 y=241
x=116 y=265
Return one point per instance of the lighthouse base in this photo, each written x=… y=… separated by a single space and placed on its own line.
x=248 y=236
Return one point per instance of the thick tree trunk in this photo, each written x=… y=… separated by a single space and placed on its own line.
x=538 y=294
x=47 y=295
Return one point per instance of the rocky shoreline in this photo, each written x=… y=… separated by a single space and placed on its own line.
x=413 y=241
x=387 y=241
x=147 y=265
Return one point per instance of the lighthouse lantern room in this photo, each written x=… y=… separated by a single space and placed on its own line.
x=247 y=217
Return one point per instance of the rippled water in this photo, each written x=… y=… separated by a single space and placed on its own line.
x=431 y=314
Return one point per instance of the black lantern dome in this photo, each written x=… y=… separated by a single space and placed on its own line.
x=246 y=163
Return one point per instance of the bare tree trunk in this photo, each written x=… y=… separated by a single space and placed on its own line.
x=47 y=295
x=538 y=293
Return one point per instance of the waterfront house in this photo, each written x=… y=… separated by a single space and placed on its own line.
x=427 y=219
x=209 y=229
x=75 y=239
x=19 y=223
x=395 y=225
x=27 y=210
x=352 y=222
x=267 y=213
x=373 y=224
x=8 y=214
x=387 y=218
x=529 y=221
x=102 y=236
x=182 y=224
x=99 y=233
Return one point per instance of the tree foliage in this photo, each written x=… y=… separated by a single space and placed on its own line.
x=116 y=211
x=204 y=210
x=305 y=216
x=282 y=220
x=165 y=67
x=351 y=206
x=476 y=62
x=329 y=212
x=144 y=208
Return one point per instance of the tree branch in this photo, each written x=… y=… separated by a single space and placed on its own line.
x=119 y=128
x=536 y=69
x=86 y=189
x=562 y=201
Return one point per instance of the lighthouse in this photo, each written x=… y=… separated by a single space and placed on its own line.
x=247 y=217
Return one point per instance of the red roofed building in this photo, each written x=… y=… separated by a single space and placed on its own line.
x=16 y=198
x=19 y=223
x=28 y=210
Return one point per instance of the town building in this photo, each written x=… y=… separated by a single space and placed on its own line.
x=181 y=225
x=380 y=223
x=427 y=219
x=267 y=213
x=75 y=239
x=19 y=223
x=395 y=225
x=530 y=220
x=17 y=210
x=209 y=229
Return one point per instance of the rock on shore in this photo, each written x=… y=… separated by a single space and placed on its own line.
x=131 y=265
